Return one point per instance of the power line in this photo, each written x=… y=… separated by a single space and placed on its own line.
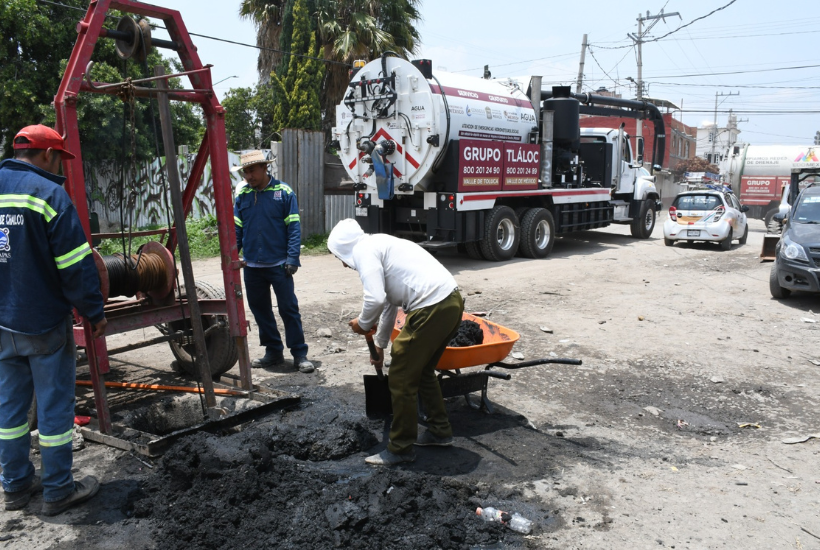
x=674 y=31
x=261 y=48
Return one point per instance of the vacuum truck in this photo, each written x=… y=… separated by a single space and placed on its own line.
x=762 y=172
x=498 y=167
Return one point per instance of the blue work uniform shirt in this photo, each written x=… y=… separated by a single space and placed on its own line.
x=267 y=225
x=46 y=266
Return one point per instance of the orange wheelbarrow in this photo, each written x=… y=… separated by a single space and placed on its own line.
x=454 y=381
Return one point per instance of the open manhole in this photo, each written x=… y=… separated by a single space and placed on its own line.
x=151 y=429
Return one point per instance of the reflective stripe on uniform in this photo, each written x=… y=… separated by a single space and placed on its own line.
x=291 y=218
x=67 y=260
x=14 y=433
x=27 y=201
x=56 y=440
x=237 y=221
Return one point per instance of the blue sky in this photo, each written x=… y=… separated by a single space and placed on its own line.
x=750 y=48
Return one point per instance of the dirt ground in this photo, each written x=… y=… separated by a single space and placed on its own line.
x=670 y=435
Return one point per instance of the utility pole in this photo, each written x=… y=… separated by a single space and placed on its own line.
x=580 y=80
x=714 y=128
x=639 y=39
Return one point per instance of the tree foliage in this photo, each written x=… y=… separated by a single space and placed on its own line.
x=296 y=91
x=347 y=30
x=695 y=164
x=37 y=42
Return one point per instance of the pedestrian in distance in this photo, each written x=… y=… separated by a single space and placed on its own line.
x=399 y=273
x=47 y=268
x=268 y=232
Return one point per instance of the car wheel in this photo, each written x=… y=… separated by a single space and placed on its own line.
x=726 y=244
x=642 y=226
x=537 y=233
x=774 y=285
x=668 y=242
x=501 y=235
x=745 y=234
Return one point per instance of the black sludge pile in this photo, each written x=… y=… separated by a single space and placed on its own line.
x=277 y=485
x=469 y=334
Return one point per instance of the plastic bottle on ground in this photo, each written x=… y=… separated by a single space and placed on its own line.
x=520 y=524
x=516 y=521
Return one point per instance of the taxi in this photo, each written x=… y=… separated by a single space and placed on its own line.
x=711 y=214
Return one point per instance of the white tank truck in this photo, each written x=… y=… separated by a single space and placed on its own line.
x=760 y=173
x=496 y=166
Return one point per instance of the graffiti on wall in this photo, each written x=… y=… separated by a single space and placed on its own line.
x=122 y=200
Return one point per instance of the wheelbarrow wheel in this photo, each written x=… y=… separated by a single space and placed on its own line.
x=221 y=347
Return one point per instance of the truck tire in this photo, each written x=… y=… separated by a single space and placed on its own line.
x=726 y=244
x=642 y=226
x=537 y=233
x=745 y=236
x=519 y=214
x=501 y=235
x=767 y=218
x=221 y=346
x=777 y=291
x=473 y=250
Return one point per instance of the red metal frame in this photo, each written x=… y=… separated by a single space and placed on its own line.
x=214 y=146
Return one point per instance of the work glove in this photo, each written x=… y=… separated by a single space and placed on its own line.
x=290 y=269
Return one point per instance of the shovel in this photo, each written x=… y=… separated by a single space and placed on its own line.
x=378 y=402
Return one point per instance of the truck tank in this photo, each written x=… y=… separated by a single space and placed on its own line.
x=424 y=113
x=766 y=160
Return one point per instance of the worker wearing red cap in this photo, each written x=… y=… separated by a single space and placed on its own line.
x=47 y=269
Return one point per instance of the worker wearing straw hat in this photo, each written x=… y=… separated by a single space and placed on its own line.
x=268 y=232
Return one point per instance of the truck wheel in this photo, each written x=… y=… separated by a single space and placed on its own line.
x=537 y=233
x=519 y=215
x=767 y=218
x=642 y=226
x=473 y=250
x=726 y=244
x=745 y=236
x=221 y=346
x=501 y=235
x=774 y=285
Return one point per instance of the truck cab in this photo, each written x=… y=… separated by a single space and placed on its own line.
x=634 y=196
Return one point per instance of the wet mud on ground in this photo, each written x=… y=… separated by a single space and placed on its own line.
x=297 y=479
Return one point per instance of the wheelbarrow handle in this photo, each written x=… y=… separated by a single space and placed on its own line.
x=501 y=375
x=534 y=362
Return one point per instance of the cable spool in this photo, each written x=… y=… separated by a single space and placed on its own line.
x=150 y=272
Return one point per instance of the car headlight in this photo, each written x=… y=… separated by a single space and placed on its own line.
x=793 y=251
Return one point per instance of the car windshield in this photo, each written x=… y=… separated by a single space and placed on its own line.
x=697 y=202
x=808 y=210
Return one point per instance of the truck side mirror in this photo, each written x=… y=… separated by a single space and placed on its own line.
x=639 y=154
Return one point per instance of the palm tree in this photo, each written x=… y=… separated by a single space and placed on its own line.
x=347 y=29
x=361 y=29
x=268 y=16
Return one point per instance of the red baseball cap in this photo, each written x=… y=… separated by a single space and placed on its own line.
x=42 y=137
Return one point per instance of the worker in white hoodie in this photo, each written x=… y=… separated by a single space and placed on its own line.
x=398 y=273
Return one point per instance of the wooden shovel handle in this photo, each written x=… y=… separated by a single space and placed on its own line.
x=374 y=354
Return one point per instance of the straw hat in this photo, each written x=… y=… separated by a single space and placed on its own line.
x=252 y=157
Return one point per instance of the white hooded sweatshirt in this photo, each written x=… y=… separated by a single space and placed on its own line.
x=394 y=272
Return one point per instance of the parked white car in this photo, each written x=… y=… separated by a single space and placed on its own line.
x=706 y=215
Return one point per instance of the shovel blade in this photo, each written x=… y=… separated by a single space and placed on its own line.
x=378 y=402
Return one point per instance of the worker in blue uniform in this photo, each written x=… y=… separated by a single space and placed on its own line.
x=269 y=234
x=46 y=268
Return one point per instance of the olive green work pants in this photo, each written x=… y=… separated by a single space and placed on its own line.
x=414 y=356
